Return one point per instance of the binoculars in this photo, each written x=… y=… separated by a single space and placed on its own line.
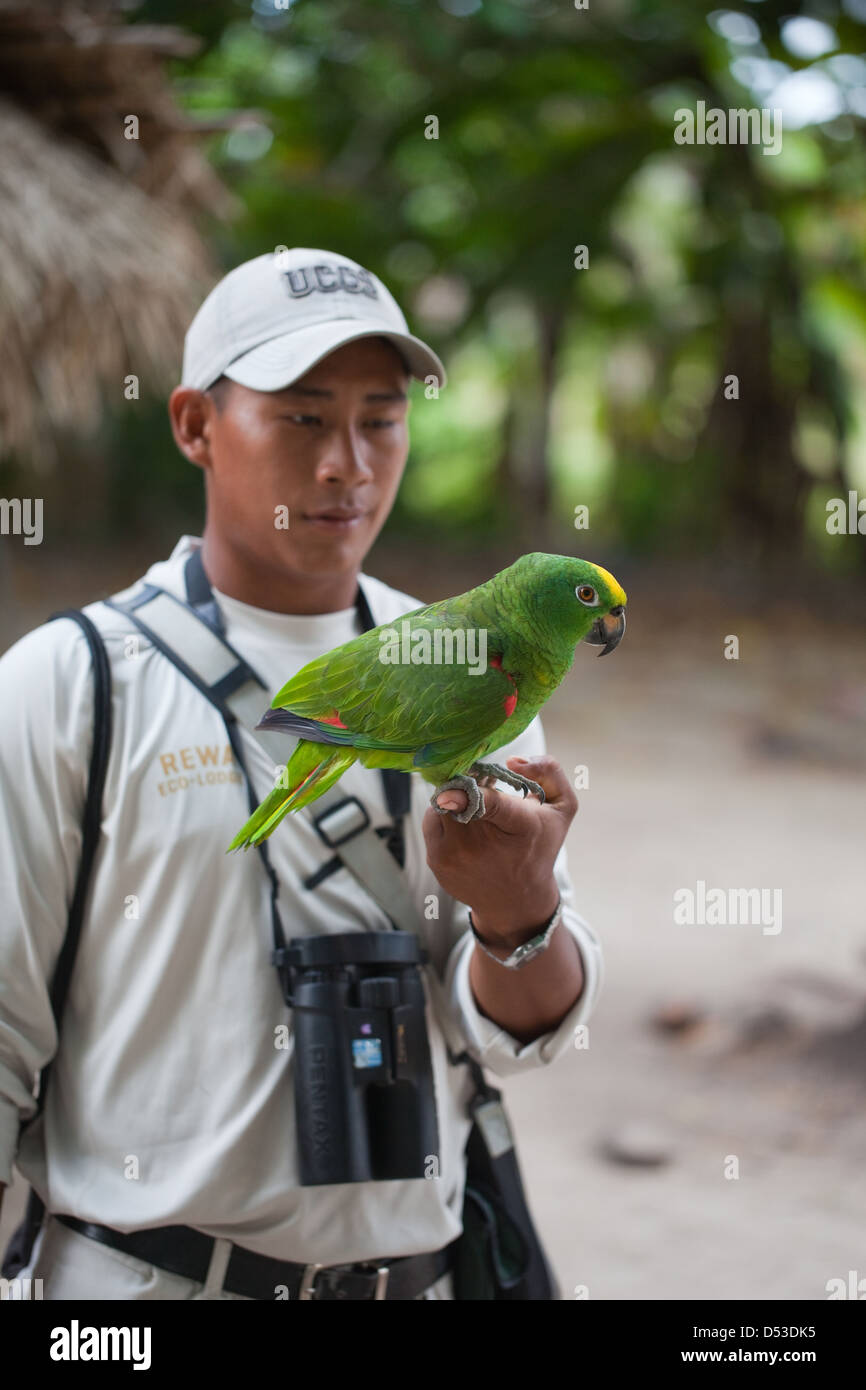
x=365 y=1106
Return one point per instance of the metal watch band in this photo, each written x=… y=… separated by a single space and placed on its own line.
x=523 y=954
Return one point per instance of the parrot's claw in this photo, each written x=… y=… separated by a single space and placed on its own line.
x=495 y=772
x=474 y=797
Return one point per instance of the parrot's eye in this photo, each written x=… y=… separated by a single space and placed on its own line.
x=586 y=593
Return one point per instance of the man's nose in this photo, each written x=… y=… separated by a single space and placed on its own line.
x=344 y=459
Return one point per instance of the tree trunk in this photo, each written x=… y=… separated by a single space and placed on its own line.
x=762 y=487
x=535 y=491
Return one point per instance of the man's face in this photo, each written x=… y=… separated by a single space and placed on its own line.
x=330 y=448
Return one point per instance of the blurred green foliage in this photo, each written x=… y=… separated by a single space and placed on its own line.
x=601 y=385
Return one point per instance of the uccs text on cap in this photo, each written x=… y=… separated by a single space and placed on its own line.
x=271 y=319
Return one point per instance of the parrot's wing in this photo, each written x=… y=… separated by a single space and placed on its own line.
x=431 y=709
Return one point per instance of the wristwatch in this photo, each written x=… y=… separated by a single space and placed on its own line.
x=523 y=954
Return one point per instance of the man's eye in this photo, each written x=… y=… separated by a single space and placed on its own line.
x=303 y=419
x=382 y=424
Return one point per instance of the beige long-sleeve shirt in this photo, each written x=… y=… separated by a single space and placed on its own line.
x=170 y=1100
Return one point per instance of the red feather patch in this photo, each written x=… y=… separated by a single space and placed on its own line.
x=509 y=704
x=333 y=719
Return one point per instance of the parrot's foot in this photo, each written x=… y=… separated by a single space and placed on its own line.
x=474 y=797
x=497 y=773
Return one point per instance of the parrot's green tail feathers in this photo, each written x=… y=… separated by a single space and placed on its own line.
x=312 y=769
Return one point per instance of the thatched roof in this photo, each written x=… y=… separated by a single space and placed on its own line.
x=101 y=266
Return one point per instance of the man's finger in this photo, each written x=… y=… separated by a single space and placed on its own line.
x=550 y=776
x=508 y=812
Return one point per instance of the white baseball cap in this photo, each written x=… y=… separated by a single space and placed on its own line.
x=271 y=319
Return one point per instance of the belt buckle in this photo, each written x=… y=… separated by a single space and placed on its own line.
x=307 y=1292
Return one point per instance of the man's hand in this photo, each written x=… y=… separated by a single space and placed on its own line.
x=502 y=865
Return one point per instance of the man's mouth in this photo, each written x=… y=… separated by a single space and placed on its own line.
x=335 y=519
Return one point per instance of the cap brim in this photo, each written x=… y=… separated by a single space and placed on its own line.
x=277 y=363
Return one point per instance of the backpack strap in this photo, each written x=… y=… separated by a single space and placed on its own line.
x=20 y=1247
x=92 y=807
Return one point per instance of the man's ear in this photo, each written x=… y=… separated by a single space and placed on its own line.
x=191 y=413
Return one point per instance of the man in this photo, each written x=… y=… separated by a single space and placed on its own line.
x=169 y=1103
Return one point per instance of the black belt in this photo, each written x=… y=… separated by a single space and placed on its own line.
x=187 y=1252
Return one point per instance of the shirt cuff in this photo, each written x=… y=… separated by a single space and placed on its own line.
x=495 y=1048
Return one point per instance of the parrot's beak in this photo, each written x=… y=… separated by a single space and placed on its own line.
x=607 y=632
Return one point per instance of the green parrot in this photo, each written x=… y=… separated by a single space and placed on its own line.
x=396 y=698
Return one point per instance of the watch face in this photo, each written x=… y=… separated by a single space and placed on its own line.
x=530 y=949
x=524 y=954
x=521 y=955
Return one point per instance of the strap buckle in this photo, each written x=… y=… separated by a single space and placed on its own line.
x=308 y=1291
x=347 y=825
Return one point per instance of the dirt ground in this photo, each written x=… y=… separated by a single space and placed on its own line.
x=743 y=774
x=715 y=1152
